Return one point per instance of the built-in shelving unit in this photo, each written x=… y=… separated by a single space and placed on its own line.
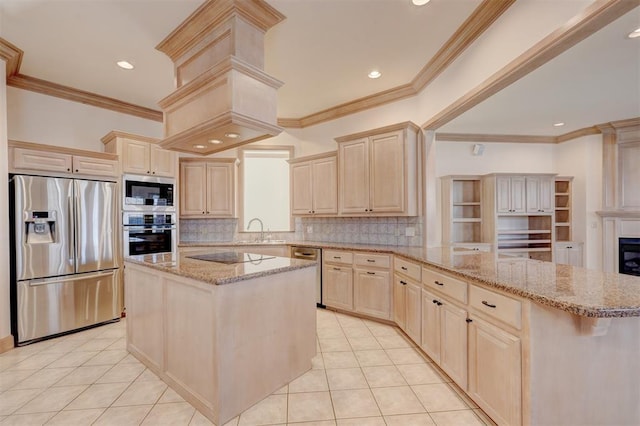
x=563 y=208
x=462 y=211
x=530 y=236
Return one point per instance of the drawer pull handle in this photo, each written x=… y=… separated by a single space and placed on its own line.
x=485 y=303
x=439 y=303
x=404 y=268
x=371 y=273
x=438 y=283
x=434 y=301
x=371 y=260
x=337 y=257
x=468 y=320
x=403 y=282
x=337 y=269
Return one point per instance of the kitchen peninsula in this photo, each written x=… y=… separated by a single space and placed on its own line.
x=224 y=336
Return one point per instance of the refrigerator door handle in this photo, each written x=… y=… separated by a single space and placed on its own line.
x=70 y=222
x=45 y=281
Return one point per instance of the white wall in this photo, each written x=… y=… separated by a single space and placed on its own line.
x=582 y=159
x=5 y=319
x=33 y=117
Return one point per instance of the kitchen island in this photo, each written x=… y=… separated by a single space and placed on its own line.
x=224 y=336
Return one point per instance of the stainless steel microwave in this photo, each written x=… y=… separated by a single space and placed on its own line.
x=148 y=193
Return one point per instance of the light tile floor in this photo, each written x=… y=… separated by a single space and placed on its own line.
x=365 y=373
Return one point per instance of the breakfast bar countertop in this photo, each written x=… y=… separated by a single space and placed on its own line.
x=579 y=291
x=219 y=273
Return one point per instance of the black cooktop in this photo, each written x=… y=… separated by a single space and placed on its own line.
x=230 y=257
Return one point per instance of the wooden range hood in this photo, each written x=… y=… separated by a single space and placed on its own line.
x=221 y=88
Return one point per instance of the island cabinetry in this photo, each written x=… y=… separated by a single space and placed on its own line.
x=208 y=188
x=314 y=185
x=199 y=338
x=372 y=285
x=337 y=279
x=26 y=157
x=444 y=323
x=378 y=172
x=141 y=155
x=407 y=298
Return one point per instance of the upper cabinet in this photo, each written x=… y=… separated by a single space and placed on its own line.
x=141 y=155
x=314 y=185
x=25 y=157
x=524 y=194
x=378 y=172
x=208 y=187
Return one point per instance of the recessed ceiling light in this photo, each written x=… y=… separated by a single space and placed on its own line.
x=375 y=74
x=199 y=146
x=558 y=124
x=125 y=65
x=232 y=135
x=215 y=141
x=634 y=34
x=420 y=2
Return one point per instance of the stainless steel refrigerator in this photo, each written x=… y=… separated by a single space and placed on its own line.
x=65 y=257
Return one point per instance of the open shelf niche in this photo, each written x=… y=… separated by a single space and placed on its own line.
x=563 y=208
x=530 y=236
x=462 y=211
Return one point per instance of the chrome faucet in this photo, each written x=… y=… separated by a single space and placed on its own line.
x=261 y=228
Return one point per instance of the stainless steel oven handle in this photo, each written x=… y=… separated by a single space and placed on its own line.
x=45 y=281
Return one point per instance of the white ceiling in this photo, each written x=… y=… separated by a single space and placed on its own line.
x=594 y=82
x=323 y=51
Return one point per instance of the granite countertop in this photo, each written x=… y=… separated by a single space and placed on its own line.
x=219 y=273
x=573 y=289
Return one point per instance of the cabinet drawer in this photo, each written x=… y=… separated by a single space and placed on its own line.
x=333 y=256
x=409 y=269
x=377 y=260
x=452 y=287
x=497 y=306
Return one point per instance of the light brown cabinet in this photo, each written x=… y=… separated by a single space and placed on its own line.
x=540 y=194
x=495 y=373
x=378 y=172
x=373 y=293
x=510 y=194
x=141 y=155
x=207 y=188
x=337 y=280
x=25 y=157
x=407 y=304
x=314 y=186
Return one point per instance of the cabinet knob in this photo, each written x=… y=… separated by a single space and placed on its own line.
x=154 y=173
x=438 y=283
x=309 y=211
x=76 y=170
x=403 y=282
x=148 y=171
x=469 y=320
x=366 y=210
x=439 y=303
x=202 y=212
x=434 y=301
x=404 y=268
x=68 y=170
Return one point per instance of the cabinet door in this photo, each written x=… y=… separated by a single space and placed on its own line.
x=325 y=186
x=387 y=174
x=41 y=160
x=453 y=343
x=413 y=303
x=95 y=166
x=353 y=178
x=575 y=255
x=562 y=255
x=495 y=372
x=135 y=157
x=546 y=195
x=192 y=189
x=163 y=162
x=430 y=326
x=337 y=287
x=518 y=194
x=503 y=194
x=372 y=293
x=220 y=190
x=533 y=194
x=301 y=188
x=399 y=303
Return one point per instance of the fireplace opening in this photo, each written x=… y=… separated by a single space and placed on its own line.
x=629 y=256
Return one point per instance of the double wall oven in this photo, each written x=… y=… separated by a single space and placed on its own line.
x=149 y=215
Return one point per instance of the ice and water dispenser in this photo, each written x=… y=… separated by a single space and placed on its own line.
x=40 y=227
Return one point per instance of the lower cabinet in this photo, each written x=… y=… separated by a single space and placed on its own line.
x=569 y=253
x=444 y=335
x=337 y=286
x=407 y=307
x=372 y=289
x=495 y=372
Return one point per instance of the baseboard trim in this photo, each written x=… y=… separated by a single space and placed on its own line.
x=6 y=344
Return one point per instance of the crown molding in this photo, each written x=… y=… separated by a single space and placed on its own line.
x=11 y=55
x=482 y=17
x=593 y=18
x=118 y=134
x=593 y=130
x=49 y=88
x=481 y=137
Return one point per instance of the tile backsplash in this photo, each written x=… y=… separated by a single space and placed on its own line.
x=359 y=230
